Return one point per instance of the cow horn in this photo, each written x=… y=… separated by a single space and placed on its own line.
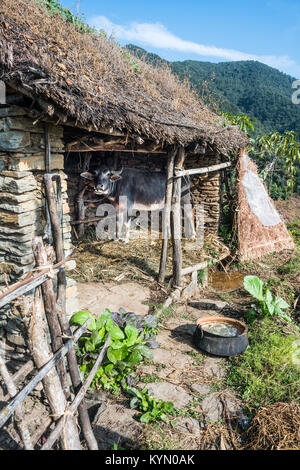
x=116 y=172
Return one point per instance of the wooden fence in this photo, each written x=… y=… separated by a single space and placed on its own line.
x=56 y=363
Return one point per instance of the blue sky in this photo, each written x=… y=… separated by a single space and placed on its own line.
x=216 y=30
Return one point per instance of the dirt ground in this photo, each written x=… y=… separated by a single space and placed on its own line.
x=289 y=210
x=96 y=296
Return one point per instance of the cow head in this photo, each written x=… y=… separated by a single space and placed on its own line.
x=103 y=179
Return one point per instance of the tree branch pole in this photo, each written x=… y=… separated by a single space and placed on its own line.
x=49 y=299
x=202 y=171
x=78 y=399
x=176 y=225
x=57 y=236
x=29 y=283
x=166 y=216
x=9 y=409
x=61 y=301
x=19 y=413
x=42 y=354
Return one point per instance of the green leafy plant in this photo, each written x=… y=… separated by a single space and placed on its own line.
x=127 y=347
x=153 y=409
x=269 y=304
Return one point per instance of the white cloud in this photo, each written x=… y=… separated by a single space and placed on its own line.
x=157 y=35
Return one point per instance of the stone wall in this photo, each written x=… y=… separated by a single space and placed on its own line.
x=23 y=205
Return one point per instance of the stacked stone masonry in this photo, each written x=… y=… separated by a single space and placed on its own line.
x=23 y=203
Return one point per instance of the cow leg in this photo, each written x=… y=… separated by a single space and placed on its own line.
x=125 y=207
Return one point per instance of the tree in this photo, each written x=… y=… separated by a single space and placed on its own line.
x=274 y=151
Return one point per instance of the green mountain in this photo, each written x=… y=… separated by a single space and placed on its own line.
x=239 y=87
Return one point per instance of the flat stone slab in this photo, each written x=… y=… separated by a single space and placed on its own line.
x=202 y=389
x=213 y=409
x=171 y=358
x=116 y=425
x=168 y=341
x=170 y=392
x=188 y=425
x=96 y=296
x=213 y=367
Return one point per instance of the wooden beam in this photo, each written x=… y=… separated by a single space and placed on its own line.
x=103 y=148
x=198 y=171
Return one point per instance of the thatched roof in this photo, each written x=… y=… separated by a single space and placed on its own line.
x=93 y=82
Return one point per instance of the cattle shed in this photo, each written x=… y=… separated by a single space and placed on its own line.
x=72 y=99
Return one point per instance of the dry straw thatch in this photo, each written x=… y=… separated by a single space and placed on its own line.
x=255 y=239
x=91 y=80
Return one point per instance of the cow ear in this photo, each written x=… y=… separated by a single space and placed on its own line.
x=87 y=175
x=115 y=177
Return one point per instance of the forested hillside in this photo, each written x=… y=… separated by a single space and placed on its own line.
x=241 y=87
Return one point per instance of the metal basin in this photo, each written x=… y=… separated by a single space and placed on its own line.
x=221 y=345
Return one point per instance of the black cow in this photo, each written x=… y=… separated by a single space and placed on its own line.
x=144 y=190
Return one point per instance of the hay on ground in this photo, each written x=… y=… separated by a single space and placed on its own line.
x=275 y=427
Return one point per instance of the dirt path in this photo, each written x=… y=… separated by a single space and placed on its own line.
x=96 y=296
x=179 y=372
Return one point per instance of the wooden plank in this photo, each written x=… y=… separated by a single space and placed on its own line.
x=200 y=171
x=78 y=399
x=9 y=409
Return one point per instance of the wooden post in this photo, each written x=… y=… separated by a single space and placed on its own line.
x=41 y=258
x=57 y=237
x=61 y=300
x=53 y=390
x=81 y=208
x=19 y=413
x=82 y=189
x=47 y=148
x=166 y=216
x=176 y=222
x=79 y=397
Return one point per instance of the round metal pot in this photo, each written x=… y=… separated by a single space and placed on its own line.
x=221 y=345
